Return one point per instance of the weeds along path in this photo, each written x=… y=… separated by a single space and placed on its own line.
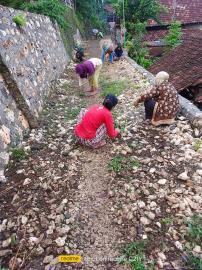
x=139 y=190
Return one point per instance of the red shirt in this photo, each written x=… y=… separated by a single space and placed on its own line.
x=92 y=120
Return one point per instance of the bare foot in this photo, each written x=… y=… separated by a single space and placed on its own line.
x=89 y=94
x=100 y=144
x=89 y=90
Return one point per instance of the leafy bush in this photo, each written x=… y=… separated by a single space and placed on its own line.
x=51 y=8
x=19 y=20
x=136 y=48
x=173 y=38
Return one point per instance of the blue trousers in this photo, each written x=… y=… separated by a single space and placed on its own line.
x=149 y=108
x=111 y=56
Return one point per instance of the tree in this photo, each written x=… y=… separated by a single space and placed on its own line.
x=137 y=12
x=13 y=3
x=90 y=12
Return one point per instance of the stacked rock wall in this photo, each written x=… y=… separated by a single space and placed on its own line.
x=31 y=58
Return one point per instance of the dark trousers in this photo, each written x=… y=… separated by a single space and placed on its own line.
x=149 y=108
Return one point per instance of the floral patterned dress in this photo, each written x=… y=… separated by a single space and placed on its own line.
x=167 y=103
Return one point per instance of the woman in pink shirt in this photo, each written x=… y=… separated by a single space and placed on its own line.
x=96 y=123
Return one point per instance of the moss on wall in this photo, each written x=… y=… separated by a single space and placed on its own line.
x=67 y=34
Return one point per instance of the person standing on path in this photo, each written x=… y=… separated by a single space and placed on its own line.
x=95 y=123
x=161 y=102
x=90 y=70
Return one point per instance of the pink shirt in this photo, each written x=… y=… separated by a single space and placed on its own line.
x=92 y=120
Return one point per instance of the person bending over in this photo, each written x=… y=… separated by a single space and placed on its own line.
x=95 y=123
x=161 y=102
x=90 y=70
x=107 y=50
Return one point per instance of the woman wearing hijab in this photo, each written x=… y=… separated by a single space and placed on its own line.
x=161 y=102
x=95 y=123
x=90 y=70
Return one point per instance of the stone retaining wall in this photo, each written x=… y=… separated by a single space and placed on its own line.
x=31 y=58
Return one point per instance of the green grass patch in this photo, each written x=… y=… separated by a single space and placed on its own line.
x=194 y=236
x=167 y=221
x=194 y=262
x=72 y=113
x=197 y=145
x=113 y=87
x=120 y=163
x=116 y=164
x=13 y=240
x=19 y=20
x=133 y=255
x=195 y=228
x=18 y=154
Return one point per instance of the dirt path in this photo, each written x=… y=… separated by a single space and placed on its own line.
x=65 y=199
x=99 y=238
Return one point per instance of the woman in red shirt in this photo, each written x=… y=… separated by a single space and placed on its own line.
x=95 y=123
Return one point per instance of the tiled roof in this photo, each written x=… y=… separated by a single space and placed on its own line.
x=153 y=35
x=186 y=11
x=184 y=63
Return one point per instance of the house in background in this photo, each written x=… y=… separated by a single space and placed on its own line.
x=189 y=13
x=184 y=65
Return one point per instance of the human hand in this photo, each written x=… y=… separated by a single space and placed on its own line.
x=118 y=130
x=119 y=133
x=136 y=102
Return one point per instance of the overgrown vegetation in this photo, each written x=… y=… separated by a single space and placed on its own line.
x=173 y=38
x=18 y=154
x=19 y=20
x=133 y=255
x=92 y=13
x=113 y=87
x=54 y=9
x=135 y=46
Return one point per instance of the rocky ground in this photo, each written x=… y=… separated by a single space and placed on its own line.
x=139 y=192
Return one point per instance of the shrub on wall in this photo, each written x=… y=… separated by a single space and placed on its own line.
x=51 y=8
x=19 y=20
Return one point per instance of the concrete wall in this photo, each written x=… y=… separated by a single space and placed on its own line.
x=31 y=58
